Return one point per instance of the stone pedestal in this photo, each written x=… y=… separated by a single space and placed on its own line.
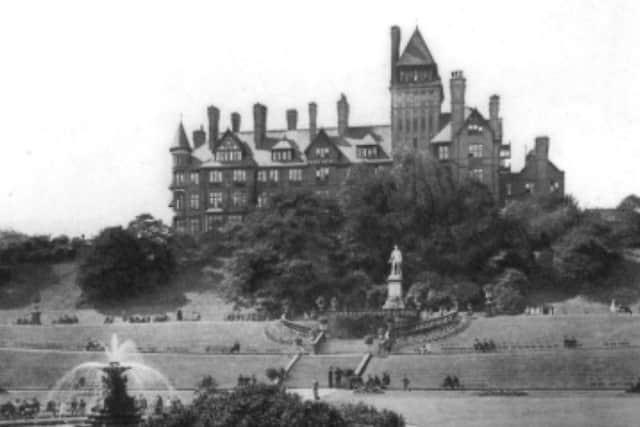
x=394 y=293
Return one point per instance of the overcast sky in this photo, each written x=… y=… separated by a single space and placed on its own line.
x=91 y=95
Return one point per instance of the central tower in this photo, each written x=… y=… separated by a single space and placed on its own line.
x=416 y=94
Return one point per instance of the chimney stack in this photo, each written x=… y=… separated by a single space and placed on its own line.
x=259 y=124
x=542 y=165
x=494 y=117
x=313 y=121
x=214 y=123
x=235 y=122
x=199 y=137
x=343 y=115
x=292 y=119
x=395 y=53
x=458 y=86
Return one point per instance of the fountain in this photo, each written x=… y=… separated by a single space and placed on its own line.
x=119 y=408
x=104 y=385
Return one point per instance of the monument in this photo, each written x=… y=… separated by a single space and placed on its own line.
x=394 y=282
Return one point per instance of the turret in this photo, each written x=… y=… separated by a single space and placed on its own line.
x=180 y=150
x=395 y=53
x=458 y=86
x=313 y=121
x=343 y=115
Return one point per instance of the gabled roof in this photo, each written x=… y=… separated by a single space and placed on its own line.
x=445 y=133
x=181 y=141
x=416 y=52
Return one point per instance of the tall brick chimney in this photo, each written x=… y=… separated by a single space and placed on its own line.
x=458 y=86
x=259 y=124
x=235 y=122
x=199 y=137
x=343 y=115
x=292 y=119
x=494 y=117
x=213 y=114
x=395 y=52
x=313 y=121
x=542 y=165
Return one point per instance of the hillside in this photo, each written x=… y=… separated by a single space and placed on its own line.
x=55 y=286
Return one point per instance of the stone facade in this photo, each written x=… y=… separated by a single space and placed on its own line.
x=221 y=178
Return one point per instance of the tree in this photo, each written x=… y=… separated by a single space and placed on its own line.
x=507 y=292
x=120 y=264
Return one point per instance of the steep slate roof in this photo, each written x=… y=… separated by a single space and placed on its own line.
x=298 y=139
x=181 y=141
x=445 y=132
x=416 y=52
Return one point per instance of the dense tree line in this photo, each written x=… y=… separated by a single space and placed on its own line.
x=456 y=239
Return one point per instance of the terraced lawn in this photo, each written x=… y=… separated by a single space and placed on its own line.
x=185 y=337
x=589 y=330
x=560 y=369
x=23 y=369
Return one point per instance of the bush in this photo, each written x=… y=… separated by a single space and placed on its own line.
x=507 y=292
x=346 y=327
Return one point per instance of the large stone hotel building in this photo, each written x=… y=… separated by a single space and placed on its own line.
x=221 y=176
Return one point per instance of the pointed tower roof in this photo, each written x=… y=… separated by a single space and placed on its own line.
x=416 y=52
x=181 y=141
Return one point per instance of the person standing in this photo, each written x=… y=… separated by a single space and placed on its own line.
x=316 y=387
x=405 y=383
x=330 y=376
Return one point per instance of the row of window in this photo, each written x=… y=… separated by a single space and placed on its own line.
x=240 y=176
x=282 y=155
x=367 y=152
x=193 y=226
x=215 y=200
x=476 y=151
x=229 y=156
x=407 y=122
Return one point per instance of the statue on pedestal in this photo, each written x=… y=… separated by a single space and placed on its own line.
x=394 y=282
x=396 y=262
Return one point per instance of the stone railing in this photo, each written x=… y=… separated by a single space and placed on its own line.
x=354 y=314
x=425 y=325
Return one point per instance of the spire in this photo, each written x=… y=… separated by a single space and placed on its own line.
x=416 y=52
x=181 y=141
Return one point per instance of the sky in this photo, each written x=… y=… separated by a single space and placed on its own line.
x=91 y=93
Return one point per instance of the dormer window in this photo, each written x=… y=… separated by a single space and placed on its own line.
x=322 y=152
x=282 y=155
x=474 y=129
x=229 y=156
x=367 y=152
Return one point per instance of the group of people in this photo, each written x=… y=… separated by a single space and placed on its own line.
x=484 y=346
x=66 y=319
x=451 y=382
x=20 y=408
x=570 y=342
x=244 y=381
x=539 y=310
x=340 y=378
